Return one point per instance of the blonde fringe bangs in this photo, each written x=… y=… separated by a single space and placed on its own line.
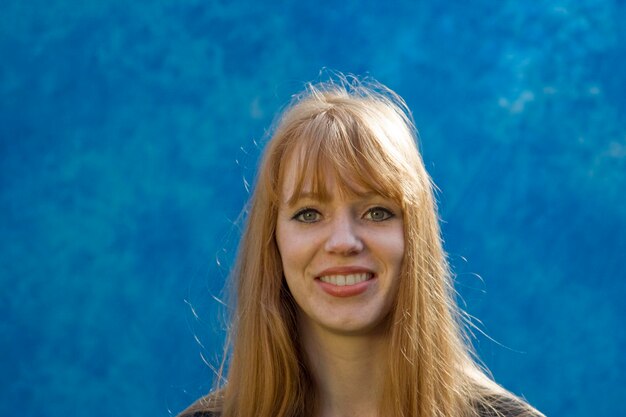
x=359 y=143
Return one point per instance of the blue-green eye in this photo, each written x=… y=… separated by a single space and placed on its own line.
x=378 y=214
x=307 y=215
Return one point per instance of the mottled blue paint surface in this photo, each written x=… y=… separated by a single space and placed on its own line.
x=128 y=129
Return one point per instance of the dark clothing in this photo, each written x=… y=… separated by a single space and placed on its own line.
x=199 y=414
x=499 y=407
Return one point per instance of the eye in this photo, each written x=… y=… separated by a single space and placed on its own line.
x=307 y=215
x=378 y=214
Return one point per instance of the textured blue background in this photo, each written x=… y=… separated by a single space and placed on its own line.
x=128 y=130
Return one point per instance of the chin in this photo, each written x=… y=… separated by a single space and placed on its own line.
x=357 y=327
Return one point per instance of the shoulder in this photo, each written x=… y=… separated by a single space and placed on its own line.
x=505 y=406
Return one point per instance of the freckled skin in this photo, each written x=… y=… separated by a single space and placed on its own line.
x=346 y=231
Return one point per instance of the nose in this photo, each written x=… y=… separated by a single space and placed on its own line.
x=343 y=238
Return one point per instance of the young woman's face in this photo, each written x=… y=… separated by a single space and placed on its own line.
x=341 y=256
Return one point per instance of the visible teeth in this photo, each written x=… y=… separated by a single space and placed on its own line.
x=343 y=280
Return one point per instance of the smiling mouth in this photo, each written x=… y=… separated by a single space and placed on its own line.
x=343 y=280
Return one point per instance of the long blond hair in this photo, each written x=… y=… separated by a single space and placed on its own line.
x=363 y=131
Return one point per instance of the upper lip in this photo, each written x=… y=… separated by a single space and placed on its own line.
x=344 y=270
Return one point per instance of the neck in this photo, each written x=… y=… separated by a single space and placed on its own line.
x=348 y=370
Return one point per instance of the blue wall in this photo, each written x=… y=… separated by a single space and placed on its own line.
x=127 y=130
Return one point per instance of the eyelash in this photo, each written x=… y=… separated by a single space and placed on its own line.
x=388 y=214
x=300 y=213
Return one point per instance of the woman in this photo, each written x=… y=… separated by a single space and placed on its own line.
x=344 y=300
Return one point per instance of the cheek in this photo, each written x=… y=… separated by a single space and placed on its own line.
x=289 y=247
x=394 y=257
x=281 y=243
x=391 y=246
x=399 y=249
x=293 y=259
x=298 y=250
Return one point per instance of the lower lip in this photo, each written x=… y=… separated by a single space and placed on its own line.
x=346 y=290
